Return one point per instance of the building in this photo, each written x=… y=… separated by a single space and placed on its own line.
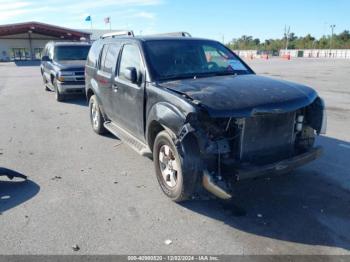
x=25 y=41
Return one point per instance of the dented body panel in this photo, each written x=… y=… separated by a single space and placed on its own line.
x=244 y=95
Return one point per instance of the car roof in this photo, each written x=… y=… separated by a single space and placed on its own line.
x=152 y=38
x=67 y=43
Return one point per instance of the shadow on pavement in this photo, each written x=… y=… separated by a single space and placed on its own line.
x=14 y=193
x=76 y=100
x=27 y=63
x=310 y=206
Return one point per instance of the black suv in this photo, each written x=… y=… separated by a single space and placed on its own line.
x=200 y=112
x=62 y=68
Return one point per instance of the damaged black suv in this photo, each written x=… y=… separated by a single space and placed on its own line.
x=200 y=112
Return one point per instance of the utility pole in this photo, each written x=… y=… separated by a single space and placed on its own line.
x=287 y=35
x=331 y=40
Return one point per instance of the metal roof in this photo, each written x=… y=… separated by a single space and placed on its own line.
x=68 y=43
x=44 y=29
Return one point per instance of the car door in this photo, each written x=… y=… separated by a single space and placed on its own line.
x=104 y=77
x=128 y=97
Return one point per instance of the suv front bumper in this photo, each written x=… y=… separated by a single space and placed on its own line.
x=250 y=172
x=281 y=167
x=71 y=87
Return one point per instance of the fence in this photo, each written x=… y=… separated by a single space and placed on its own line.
x=307 y=53
x=318 y=53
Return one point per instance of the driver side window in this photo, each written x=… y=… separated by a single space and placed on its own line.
x=131 y=57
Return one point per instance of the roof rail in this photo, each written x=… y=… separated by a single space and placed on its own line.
x=118 y=34
x=175 y=34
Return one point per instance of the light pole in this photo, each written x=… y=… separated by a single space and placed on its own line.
x=331 y=41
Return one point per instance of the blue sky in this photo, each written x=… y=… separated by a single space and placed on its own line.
x=202 y=18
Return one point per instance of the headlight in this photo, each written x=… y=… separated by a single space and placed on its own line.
x=63 y=74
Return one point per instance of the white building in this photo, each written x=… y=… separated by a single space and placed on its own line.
x=25 y=41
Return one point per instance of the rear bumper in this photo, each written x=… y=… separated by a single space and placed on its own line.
x=281 y=167
x=71 y=88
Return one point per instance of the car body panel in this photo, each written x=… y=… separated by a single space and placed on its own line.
x=244 y=95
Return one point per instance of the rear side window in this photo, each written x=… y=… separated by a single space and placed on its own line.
x=109 y=58
x=94 y=55
x=103 y=57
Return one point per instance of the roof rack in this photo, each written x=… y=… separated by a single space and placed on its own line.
x=175 y=34
x=118 y=34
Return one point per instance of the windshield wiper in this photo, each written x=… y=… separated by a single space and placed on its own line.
x=176 y=77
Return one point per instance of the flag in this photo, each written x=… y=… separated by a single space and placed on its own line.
x=88 y=18
x=107 y=20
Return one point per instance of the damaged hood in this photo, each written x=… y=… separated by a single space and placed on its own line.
x=243 y=95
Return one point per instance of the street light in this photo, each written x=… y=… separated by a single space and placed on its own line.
x=331 y=41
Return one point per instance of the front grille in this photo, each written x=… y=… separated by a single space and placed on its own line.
x=267 y=138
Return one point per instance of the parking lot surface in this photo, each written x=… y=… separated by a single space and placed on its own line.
x=95 y=192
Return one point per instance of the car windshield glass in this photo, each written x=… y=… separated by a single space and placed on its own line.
x=176 y=59
x=71 y=52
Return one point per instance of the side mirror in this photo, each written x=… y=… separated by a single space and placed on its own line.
x=45 y=58
x=130 y=74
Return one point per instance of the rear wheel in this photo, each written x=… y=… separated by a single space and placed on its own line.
x=175 y=178
x=96 y=116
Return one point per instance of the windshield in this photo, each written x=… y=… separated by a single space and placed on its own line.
x=71 y=52
x=175 y=59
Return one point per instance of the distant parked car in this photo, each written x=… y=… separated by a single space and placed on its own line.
x=62 y=68
x=200 y=112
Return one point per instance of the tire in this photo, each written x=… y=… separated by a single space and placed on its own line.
x=185 y=167
x=59 y=97
x=45 y=82
x=96 y=118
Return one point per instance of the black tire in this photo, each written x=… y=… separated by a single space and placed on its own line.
x=45 y=82
x=188 y=173
x=97 y=126
x=59 y=97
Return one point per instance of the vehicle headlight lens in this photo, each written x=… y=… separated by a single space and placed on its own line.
x=63 y=74
x=66 y=73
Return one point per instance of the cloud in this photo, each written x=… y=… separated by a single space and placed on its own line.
x=8 y=6
x=146 y=15
x=10 y=10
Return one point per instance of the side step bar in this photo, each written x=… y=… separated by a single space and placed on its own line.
x=129 y=139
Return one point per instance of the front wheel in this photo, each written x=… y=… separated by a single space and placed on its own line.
x=59 y=97
x=176 y=178
x=96 y=116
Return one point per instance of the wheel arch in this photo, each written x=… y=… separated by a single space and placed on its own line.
x=163 y=116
